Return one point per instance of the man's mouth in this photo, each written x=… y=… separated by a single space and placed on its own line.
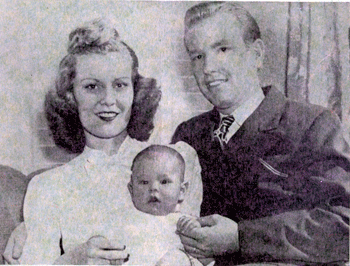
x=215 y=83
x=107 y=116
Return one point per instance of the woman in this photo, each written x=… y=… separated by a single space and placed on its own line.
x=102 y=108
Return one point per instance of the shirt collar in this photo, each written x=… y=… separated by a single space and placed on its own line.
x=247 y=108
x=93 y=156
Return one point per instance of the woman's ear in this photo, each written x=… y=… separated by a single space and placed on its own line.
x=259 y=50
x=70 y=97
x=183 y=190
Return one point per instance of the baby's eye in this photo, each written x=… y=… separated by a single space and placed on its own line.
x=223 y=49
x=143 y=182
x=165 y=181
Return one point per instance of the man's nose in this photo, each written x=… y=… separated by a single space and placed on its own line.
x=109 y=96
x=210 y=64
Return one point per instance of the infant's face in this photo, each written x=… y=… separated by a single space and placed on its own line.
x=156 y=184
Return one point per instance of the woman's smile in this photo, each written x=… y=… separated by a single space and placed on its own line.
x=107 y=116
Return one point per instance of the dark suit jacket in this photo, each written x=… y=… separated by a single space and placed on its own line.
x=283 y=177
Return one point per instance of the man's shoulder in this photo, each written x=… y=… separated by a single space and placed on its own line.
x=192 y=127
x=309 y=113
x=299 y=112
x=199 y=120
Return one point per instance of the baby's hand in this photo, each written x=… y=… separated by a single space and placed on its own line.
x=186 y=224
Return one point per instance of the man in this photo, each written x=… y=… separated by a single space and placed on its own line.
x=274 y=171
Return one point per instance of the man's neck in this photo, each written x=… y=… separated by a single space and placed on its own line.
x=255 y=92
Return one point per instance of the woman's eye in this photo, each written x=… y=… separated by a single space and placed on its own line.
x=91 y=87
x=121 y=85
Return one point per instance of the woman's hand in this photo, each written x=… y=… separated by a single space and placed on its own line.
x=102 y=251
x=216 y=236
x=15 y=244
x=97 y=250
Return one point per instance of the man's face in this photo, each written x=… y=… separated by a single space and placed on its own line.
x=156 y=186
x=224 y=67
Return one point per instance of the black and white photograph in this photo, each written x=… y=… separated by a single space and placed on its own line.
x=174 y=133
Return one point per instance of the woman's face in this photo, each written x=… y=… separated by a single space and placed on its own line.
x=104 y=93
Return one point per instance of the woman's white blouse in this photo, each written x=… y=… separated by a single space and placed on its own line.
x=89 y=196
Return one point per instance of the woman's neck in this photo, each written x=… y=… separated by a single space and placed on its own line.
x=110 y=146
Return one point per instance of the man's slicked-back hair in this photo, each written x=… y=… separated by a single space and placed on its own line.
x=249 y=26
x=154 y=150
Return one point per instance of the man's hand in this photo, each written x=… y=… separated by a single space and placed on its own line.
x=15 y=244
x=216 y=236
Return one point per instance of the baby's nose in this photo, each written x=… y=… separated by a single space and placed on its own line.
x=154 y=186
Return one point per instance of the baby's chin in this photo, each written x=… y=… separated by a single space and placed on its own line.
x=154 y=210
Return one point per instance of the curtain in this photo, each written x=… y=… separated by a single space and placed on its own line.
x=317 y=65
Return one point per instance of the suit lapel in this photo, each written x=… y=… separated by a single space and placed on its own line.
x=261 y=125
x=236 y=163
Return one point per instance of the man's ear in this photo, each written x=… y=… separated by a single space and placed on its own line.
x=130 y=188
x=183 y=190
x=259 y=50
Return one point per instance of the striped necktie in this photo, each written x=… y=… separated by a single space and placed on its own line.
x=221 y=132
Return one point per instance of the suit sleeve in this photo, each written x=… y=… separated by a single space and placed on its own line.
x=320 y=232
x=180 y=134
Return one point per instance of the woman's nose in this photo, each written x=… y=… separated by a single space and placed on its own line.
x=109 y=96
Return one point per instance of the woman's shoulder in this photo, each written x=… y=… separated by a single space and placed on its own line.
x=184 y=149
x=56 y=174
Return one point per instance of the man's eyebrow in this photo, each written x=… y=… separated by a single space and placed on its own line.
x=219 y=43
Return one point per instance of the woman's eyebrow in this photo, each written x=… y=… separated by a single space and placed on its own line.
x=122 y=78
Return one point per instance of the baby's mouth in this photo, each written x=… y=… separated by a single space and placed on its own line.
x=153 y=199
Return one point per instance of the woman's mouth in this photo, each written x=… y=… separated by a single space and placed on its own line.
x=107 y=116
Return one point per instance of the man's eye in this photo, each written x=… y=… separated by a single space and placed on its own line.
x=197 y=57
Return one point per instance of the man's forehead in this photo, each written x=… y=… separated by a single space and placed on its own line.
x=219 y=28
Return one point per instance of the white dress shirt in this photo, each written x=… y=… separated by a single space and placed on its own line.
x=243 y=112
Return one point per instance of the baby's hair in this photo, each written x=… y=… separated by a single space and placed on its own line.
x=153 y=150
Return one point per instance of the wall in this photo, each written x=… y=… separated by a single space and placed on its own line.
x=33 y=38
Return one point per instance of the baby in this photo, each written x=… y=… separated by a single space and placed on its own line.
x=157 y=187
